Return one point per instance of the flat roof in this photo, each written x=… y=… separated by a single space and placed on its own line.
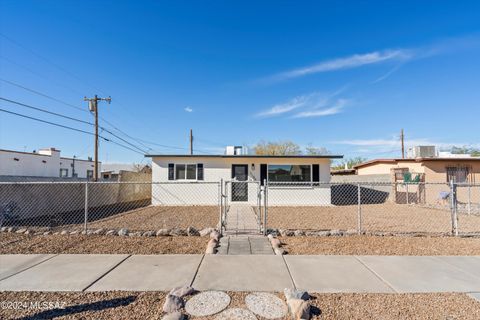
x=242 y=156
x=395 y=160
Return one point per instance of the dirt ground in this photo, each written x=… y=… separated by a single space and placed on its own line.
x=371 y=245
x=28 y=244
x=384 y=217
x=158 y=217
x=148 y=305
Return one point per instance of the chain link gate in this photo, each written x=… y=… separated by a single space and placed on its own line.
x=242 y=207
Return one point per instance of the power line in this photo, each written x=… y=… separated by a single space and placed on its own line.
x=71 y=118
x=66 y=127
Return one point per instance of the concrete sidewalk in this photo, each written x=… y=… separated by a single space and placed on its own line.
x=372 y=274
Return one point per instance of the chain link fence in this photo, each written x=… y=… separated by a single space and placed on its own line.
x=375 y=208
x=86 y=207
x=311 y=208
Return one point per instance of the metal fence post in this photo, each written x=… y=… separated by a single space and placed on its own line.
x=359 y=210
x=265 y=200
x=220 y=204
x=469 y=207
x=453 y=205
x=406 y=189
x=86 y=208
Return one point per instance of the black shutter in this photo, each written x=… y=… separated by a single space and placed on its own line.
x=315 y=173
x=263 y=173
x=199 y=171
x=171 y=171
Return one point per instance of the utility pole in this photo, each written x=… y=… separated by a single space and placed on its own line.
x=191 y=141
x=93 y=107
x=402 y=139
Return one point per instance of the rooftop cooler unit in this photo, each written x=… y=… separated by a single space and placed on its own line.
x=422 y=152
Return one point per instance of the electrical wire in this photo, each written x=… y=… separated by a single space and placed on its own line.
x=68 y=128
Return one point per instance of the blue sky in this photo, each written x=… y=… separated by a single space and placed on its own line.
x=342 y=75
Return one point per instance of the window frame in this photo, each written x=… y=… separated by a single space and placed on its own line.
x=91 y=175
x=468 y=170
x=63 y=170
x=290 y=184
x=175 y=178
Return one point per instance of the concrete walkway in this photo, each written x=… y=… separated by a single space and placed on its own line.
x=244 y=245
x=240 y=273
x=241 y=220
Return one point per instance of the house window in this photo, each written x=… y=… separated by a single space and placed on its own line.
x=63 y=173
x=185 y=172
x=458 y=174
x=289 y=173
x=89 y=174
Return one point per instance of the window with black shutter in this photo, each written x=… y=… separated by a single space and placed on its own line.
x=315 y=173
x=263 y=173
x=199 y=171
x=171 y=171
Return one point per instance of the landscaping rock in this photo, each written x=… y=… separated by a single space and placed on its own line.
x=178 y=232
x=215 y=235
x=74 y=232
x=270 y=237
x=149 y=234
x=211 y=246
x=192 y=232
x=111 y=233
x=182 y=291
x=46 y=233
x=99 y=231
x=135 y=234
x=206 y=232
x=64 y=232
x=21 y=230
x=173 y=304
x=3 y=229
x=323 y=233
x=296 y=294
x=336 y=233
x=299 y=309
x=273 y=232
x=286 y=233
x=275 y=243
x=298 y=233
x=266 y=305
x=10 y=229
x=163 y=232
x=27 y=232
x=174 y=316
x=350 y=232
x=279 y=251
x=207 y=303
x=236 y=314
x=123 y=232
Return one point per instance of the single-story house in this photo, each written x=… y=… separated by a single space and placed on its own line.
x=183 y=179
x=435 y=169
x=436 y=172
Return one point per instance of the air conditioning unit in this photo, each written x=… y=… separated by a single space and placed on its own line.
x=422 y=152
x=235 y=150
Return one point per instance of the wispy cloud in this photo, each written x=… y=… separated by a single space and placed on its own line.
x=337 y=108
x=188 y=109
x=349 y=62
x=314 y=104
x=393 y=144
x=279 y=109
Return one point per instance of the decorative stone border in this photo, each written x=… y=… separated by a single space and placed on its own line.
x=123 y=232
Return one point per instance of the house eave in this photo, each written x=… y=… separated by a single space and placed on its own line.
x=245 y=156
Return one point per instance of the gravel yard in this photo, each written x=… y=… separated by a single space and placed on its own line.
x=148 y=305
x=371 y=245
x=27 y=244
x=158 y=217
x=384 y=217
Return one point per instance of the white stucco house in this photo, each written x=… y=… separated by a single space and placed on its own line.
x=45 y=163
x=293 y=180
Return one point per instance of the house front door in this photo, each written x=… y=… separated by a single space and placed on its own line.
x=239 y=188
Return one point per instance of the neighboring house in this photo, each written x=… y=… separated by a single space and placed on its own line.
x=126 y=171
x=183 y=179
x=436 y=172
x=45 y=163
x=460 y=170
